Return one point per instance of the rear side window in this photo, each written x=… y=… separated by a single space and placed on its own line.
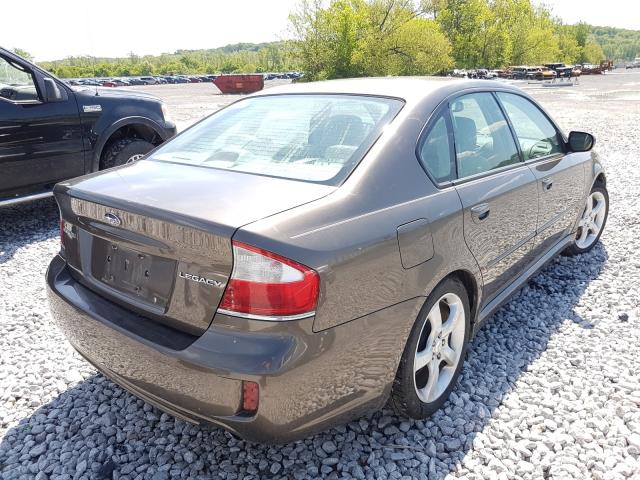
x=482 y=136
x=315 y=138
x=536 y=134
x=435 y=152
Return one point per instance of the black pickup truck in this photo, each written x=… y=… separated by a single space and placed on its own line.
x=50 y=131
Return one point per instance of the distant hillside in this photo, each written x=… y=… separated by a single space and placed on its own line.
x=235 y=47
x=617 y=43
x=238 y=57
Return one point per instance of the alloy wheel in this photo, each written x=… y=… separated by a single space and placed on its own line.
x=592 y=220
x=439 y=348
x=135 y=157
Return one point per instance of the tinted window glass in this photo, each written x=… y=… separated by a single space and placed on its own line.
x=435 y=153
x=317 y=138
x=536 y=134
x=482 y=137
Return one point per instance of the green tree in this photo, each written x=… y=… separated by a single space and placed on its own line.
x=351 y=38
x=22 y=53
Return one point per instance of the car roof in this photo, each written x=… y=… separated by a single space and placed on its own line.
x=406 y=88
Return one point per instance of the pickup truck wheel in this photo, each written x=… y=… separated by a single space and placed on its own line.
x=435 y=352
x=124 y=151
x=592 y=221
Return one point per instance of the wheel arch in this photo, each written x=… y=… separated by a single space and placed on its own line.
x=140 y=127
x=601 y=179
x=471 y=284
x=472 y=287
x=598 y=175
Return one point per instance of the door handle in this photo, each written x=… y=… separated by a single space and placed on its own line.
x=480 y=212
x=547 y=183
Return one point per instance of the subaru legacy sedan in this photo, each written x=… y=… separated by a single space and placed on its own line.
x=316 y=251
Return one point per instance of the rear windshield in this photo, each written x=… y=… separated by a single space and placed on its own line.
x=314 y=138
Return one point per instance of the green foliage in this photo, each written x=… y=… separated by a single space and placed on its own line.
x=241 y=57
x=617 y=43
x=352 y=38
x=22 y=53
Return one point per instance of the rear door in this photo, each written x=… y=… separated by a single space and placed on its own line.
x=497 y=190
x=560 y=177
x=40 y=142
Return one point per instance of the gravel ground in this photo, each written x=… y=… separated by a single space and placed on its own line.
x=550 y=388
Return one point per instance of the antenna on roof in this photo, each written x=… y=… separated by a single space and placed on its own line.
x=94 y=75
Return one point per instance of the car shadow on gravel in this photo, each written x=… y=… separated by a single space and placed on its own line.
x=26 y=223
x=95 y=428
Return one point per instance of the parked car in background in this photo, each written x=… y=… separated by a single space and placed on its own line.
x=149 y=80
x=114 y=82
x=135 y=81
x=523 y=72
x=53 y=132
x=562 y=70
x=541 y=73
x=306 y=264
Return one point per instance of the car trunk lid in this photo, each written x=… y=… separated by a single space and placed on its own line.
x=156 y=237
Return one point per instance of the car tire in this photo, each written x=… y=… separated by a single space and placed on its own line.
x=413 y=395
x=589 y=220
x=124 y=151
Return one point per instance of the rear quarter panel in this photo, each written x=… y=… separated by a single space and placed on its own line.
x=350 y=236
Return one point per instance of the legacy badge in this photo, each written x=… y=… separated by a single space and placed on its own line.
x=199 y=279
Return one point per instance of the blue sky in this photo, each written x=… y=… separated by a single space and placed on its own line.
x=53 y=30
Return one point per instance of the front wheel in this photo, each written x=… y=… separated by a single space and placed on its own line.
x=126 y=150
x=592 y=221
x=434 y=353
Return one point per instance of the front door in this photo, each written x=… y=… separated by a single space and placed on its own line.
x=560 y=177
x=40 y=142
x=497 y=190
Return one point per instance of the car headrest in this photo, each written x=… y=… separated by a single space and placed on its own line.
x=338 y=130
x=466 y=134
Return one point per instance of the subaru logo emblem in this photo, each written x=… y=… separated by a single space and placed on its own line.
x=113 y=219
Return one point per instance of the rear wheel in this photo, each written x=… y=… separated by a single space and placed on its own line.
x=124 y=151
x=592 y=222
x=434 y=353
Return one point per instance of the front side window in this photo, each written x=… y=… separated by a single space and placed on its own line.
x=435 y=152
x=482 y=136
x=536 y=134
x=316 y=138
x=16 y=84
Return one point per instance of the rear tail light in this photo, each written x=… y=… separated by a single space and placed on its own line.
x=267 y=286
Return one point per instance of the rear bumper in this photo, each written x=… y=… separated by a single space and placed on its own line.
x=308 y=381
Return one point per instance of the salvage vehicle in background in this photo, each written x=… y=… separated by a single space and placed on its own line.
x=309 y=252
x=541 y=73
x=51 y=131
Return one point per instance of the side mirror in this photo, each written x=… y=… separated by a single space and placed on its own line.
x=581 y=141
x=52 y=92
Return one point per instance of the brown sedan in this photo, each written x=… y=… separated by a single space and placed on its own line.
x=308 y=253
